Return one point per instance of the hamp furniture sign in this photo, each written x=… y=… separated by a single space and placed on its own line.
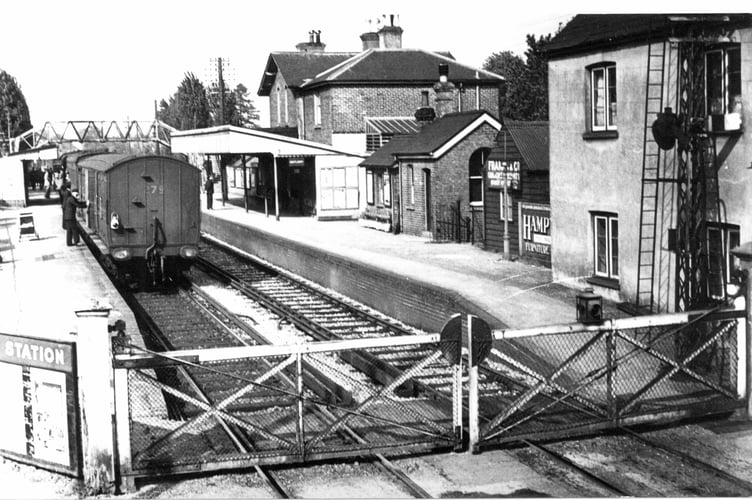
x=535 y=230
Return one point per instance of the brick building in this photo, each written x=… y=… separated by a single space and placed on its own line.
x=416 y=182
x=337 y=98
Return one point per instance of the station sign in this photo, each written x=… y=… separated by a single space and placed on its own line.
x=39 y=394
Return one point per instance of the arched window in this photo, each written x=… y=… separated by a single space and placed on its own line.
x=475 y=173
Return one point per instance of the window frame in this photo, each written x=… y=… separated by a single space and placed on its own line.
x=411 y=186
x=610 y=97
x=387 y=189
x=317 y=109
x=506 y=205
x=727 y=103
x=611 y=243
x=369 y=187
x=479 y=177
x=730 y=237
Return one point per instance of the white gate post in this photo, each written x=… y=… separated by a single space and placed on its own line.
x=472 y=387
x=96 y=399
x=744 y=254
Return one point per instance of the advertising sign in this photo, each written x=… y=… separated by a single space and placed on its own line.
x=535 y=230
x=39 y=419
x=498 y=171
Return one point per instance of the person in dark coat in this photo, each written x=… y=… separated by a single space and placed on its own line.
x=64 y=194
x=70 y=205
x=209 y=187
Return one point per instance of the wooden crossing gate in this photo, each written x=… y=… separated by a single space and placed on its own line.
x=202 y=410
x=238 y=407
x=575 y=379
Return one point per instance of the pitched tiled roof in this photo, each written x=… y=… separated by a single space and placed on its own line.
x=297 y=67
x=412 y=66
x=531 y=139
x=592 y=31
x=426 y=142
x=384 y=156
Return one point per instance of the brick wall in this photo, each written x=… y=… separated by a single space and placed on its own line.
x=343 y=109
x=420 y=305
x=449 y=179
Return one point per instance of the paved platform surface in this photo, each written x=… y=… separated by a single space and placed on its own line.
x=43 y=281
x=518 y=294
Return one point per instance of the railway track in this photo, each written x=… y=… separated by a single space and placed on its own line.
x=187 y=319
x=324 y=316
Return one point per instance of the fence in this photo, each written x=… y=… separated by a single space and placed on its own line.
x=450 y=224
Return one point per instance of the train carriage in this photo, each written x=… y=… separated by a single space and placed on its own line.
x=144 y=209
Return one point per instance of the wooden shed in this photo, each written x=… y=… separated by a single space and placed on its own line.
x=519 y=160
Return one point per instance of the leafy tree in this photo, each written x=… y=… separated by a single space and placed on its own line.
x=195 y=106
x=189 y=107
x=526 y=94
x=13 y=107
x=239 y=108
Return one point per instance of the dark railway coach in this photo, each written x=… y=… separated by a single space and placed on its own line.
x=144 y=209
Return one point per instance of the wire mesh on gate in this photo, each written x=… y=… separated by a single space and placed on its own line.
x=250 y=411
x=568 y=383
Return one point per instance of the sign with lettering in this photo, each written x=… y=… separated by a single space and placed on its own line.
x=535 y=229
x=36 y=352
x=500 y=171
x=39 y=391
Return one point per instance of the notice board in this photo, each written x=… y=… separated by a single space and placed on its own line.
x=39 y=393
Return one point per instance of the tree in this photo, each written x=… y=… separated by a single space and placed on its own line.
x=239 y=108
x=14 y=113
x=189 y=107
x=195 y=106
x=526 y=91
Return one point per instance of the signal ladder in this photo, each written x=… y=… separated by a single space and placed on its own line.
x=651 y=181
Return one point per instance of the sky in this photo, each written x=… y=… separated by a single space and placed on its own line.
x=111 y=60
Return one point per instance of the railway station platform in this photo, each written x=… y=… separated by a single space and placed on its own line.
x=43 y=281
x=411 y=278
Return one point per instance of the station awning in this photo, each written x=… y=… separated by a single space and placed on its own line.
x=228 y=139
x=43 y=153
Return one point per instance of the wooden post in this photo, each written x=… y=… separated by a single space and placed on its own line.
x=96 y=400
x=276 y=187
x=245 y=183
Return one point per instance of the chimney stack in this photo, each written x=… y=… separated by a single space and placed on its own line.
x=313 y=44
x=390 y=36
x=446 y=101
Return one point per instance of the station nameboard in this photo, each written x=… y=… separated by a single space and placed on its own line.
x=35 y=352
x=498 y=171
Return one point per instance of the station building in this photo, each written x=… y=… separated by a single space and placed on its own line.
x=339 y=98
x=602 y=69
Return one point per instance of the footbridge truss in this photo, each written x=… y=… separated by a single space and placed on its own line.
x=59 y=132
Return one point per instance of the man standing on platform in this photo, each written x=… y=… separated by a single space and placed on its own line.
x=70 y=205
x=209 y=187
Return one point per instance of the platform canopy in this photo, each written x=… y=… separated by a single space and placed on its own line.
x=229 y=139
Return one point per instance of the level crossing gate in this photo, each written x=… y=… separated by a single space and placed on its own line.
x=212 y=409
x=189 y=411
x=578 y=378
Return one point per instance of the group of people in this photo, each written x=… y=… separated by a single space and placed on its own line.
x=69 y=200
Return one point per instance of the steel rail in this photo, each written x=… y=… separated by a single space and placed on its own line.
x=238 y=439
